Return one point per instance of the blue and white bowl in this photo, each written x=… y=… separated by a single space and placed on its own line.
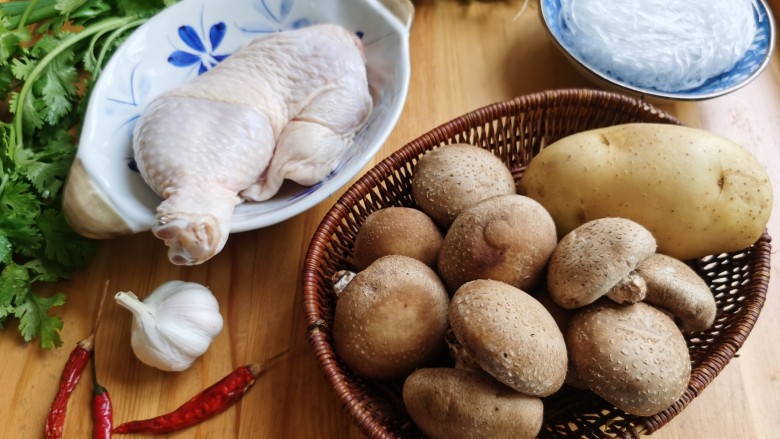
x=748 y=68
x=105 y=195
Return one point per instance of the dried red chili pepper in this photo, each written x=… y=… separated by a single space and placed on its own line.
x=205 y=404
x=71 y=374
x=102 y=410
x=211 y=401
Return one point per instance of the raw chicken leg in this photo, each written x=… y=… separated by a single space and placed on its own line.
x=297 y=96
x=197 y=155
x=310 y=146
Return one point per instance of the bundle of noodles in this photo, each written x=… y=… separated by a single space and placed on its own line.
x=667 y=45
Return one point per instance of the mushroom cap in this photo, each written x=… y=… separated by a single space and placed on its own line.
x=596 y=258
x=400 y=231
x=562 y=316
x=506 y=237
x=450 y=179
x=391 y=318
x=674 y=286
x=509 y=335
x=454 y=403
x=633 y=356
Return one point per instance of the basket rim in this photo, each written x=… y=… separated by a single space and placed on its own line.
x=317 y=332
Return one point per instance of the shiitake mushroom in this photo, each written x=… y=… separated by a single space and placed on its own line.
x=600 y=258
x=508 y=238
x=633 y=356
x=397 y=231
x=673 y=286
x=450 y=179
x=391 y=318
x=507 y=333
x=448 y=403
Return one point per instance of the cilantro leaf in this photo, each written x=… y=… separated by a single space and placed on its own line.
x=7 y=81
x=22 y=67
x=142 y=8
x=18 y=300
x=62 y=244
x=6 y=250
x=57 y=91
x=33 y=110
x=10 y=42
x=13 y=282
x=40 y=173
x=43 y=175
x=56 y=86
x=22 y=235
x=35 y=321
x=17 y=200
x=18 y=209
x=46 y=168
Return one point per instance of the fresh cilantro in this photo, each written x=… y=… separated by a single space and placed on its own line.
x=22 y=67
x=67 y=7
x=51 y=52
x=34 y=319
x=6 y=250
x=61 y=243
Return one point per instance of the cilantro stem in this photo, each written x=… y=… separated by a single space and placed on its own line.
x=26 y=15
x=14 y=11
x=90 y=52
x=16 y=8
x=110 y=23
x=114 y=35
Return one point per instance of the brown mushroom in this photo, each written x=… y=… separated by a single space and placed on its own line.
x=508 y=334
x=673 y=286
x=400 y=231
x=633 y=356
x=562 y=316
x=508 y=238
x=391 y=318
x=450 y=179
x=453 y=403
x=599 y=258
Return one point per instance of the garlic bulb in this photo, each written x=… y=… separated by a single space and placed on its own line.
x=174 y=325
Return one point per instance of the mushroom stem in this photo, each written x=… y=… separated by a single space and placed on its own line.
x=463 y=360
x=341 y=279
x=631 y=289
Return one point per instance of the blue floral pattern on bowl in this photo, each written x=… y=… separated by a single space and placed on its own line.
x=192 y=37
x=276 y=16
x=752 y=63
x=206 y=59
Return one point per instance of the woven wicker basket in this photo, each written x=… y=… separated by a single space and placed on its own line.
x=516 y=130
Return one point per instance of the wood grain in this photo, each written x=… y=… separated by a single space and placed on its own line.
x=463 y=57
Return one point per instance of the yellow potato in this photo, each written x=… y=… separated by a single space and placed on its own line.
x=698 y=193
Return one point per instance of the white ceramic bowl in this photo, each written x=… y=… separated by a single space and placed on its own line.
x=105 y=195
x=751 y=65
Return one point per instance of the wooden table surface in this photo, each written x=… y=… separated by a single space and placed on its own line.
x=463 y=57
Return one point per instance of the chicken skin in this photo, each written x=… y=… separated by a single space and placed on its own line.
x=286 y=106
